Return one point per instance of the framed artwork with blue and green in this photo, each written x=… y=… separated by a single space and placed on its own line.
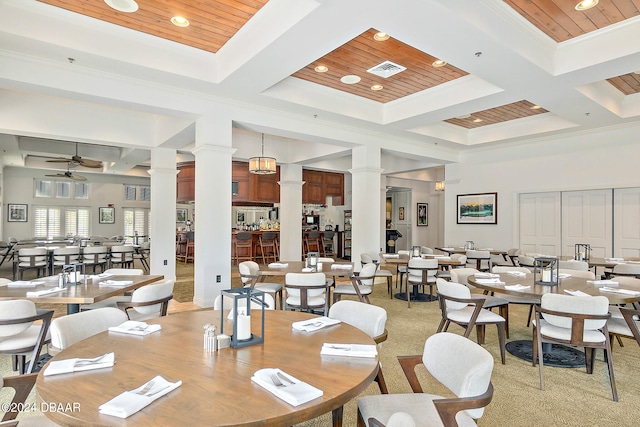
x=480 y=208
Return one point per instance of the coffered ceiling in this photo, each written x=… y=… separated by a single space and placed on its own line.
x=513 y=69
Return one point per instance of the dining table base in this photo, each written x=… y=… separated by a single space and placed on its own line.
x=418 y=297
x=556 y=355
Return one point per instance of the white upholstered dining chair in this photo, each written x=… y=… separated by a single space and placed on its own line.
x=306 y=292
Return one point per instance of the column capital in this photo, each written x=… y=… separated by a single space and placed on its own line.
x=159 y=171
x=209 y=148
x=354 y=171
x=291 y=183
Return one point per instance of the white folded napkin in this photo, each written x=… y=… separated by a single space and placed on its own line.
x=342 y=266
x=294 y=394
x=101 y=275
x=486 y=275
x=132 y=327
x=390 y=256
x=620 y=291
x=279 y=265
x=314 y=324
x=517 y=273
x=66 y=366
x=130 y=402
x=45 y=292
x=564 y=275
x=576 y=293
x=494 y=281
x=116 y=283
x=307 y=270
x=614 y=259
x=351 y=350
x=24 y=284
x=609 y=283
x=517 y=287
x=448 y=249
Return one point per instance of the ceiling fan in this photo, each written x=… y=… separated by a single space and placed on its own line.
x=69 y=175
x=78 y=161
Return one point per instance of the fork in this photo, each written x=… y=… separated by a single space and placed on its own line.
x=84 y=362
x=276 y=381
x=146 y=388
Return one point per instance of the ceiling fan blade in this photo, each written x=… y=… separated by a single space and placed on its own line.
x=58 y=175
x=88 y=163
x=60 y=160
x=77 y=177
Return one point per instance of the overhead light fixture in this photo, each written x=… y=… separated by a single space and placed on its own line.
x=586 y=4
x=463 y=116
x=380 y=36
x=477 y=120
x=180 y=21
x=535 y=107
x=439 y=185
x=321 y=69
x=438 y=63
x=377 y=87
x=351 y=79
x=262 y=165
x=122 y=5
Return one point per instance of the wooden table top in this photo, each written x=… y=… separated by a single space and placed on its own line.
x=297 y=266
x=536 y=291
x=216 y=387
x=405 y=261
x=78 y=294
x=604 y=262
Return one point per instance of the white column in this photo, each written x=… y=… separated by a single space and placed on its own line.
x=212 y=223
x=365 y=201
x=290 y=212
x=163 y=212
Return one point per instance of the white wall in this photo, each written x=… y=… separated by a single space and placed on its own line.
x=604 y=159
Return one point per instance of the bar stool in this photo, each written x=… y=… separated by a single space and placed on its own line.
x=312 y=241
x=327 y=243
x=267 y=246
x=244 y=241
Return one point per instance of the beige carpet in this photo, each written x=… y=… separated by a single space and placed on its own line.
x=571 y=398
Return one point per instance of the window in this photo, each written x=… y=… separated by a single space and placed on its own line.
x=134 y=222
x=81 y=190
x=43 y=188
x=145 y=194
x=129 y=192
x=60 y=221
x=63 y=189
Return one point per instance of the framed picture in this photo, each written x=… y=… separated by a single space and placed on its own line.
x=423 y=210
x=17 y=213
x=479 y=208
x=401 y=213
x=239 y=217
x=107 y=215
x=181 y=215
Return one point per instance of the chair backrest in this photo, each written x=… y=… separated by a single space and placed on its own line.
x=228 y=303
x=461 y=258
x=248 y=268
x=589 y=275
x=70 y=329
x=4 y=282
x=365 y=258
x=404 y=254
x=122 y=253
x=244 y=237
x=455 y=290
x=574 y=305
x=573 y=265
x=506 y=269
x=632 y=282
x=268 y=237
x=460 y=275
x=368 y=270
x=152 y=292
x=461 y=365
x=125 y=271
x=16 y=309
x=326 y=259
x=328 y=235
x=369 y=318
x=25 y=255
x=626 y=269
x=525 y=260
x=315 y=281
x=484 y=258
x=424 y=250
x=95 y=253
x=430 y=263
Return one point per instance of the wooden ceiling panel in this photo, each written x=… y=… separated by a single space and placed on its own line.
x=628 y=84
x=504 y=113
x=212 y=22
x=363 y=53
x=559 y=20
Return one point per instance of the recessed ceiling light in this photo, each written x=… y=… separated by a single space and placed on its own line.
x=122 y=5
x=380 y=36
x=535 y=107
x=586 y=4
x=321 y=69
x=477 y=120
x=376 y=87
x=350 y=79
x=464 y=116
x=438 y=63
x=180 y=21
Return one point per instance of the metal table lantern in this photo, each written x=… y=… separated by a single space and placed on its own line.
x=583 y=251
x=545 y=271
x=312 y=260
x=243 y=333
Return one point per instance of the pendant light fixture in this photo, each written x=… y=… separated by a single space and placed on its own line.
x=262 y=165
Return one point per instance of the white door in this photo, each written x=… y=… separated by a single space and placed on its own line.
x=587 y=217
x=626 y=231
x=540 y=223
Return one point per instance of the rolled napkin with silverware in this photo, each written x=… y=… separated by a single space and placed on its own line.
x=286 y=387
x=133 y=327
x=130 y=402
x=116 y=283
x=350 y=350
x=67 y=366
x=314 y=324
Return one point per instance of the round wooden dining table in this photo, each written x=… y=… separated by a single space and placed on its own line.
x=216 y=387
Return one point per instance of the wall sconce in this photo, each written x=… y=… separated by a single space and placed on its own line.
x=243 y=334
x=545 y=271
x=439 y=185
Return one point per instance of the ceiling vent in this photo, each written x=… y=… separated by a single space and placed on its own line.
x=386 y=69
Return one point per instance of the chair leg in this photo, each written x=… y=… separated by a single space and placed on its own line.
x=504 y=312
x=612 y=380
x=589 y=358
x=336 y=416
x=441 y=325
x=501 y=339
x=530 y=313
x=381 y=382
x=389 y=287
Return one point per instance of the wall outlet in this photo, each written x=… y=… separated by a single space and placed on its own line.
x=165 y=262
x=218 y=278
